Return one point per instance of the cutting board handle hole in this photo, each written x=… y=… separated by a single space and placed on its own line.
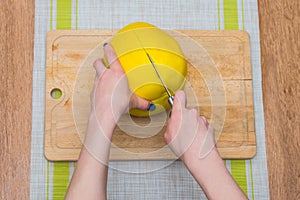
x=56 y=93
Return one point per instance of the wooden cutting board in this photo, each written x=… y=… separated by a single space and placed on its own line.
x=219 y=86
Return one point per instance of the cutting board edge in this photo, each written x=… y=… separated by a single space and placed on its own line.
x=55 y=33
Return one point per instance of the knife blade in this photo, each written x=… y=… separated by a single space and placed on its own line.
x=171 y=97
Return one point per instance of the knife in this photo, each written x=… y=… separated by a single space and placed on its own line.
x=171 y=97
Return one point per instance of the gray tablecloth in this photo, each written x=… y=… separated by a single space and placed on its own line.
x=49 y=180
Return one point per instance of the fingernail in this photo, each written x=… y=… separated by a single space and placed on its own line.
x=105 y=44
x=151 y=107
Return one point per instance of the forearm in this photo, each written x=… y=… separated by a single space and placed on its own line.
x=213 y=177
x=90 y=176
x=89 y=179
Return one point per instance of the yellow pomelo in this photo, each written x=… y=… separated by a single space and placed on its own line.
x=131 y=44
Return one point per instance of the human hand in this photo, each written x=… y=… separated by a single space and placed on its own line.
x=188 y=135
x=112 y=96
x=191 y=138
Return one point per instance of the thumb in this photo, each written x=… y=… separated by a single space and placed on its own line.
x=140 y=103
x=99 y=67
x=179 y=100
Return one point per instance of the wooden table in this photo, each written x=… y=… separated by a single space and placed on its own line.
x=280 y=50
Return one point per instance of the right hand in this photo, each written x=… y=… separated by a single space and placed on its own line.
x=191 y=138
x=187 y=132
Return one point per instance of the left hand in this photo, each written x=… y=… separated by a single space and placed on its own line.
x=111 y=95
x=110 y=98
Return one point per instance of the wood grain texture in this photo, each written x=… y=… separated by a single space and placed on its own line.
x=280 y=53
x=16 y=59
x=219 y=84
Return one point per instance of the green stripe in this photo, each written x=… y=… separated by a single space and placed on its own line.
x=252 y=183
x=47 y=181
x=231 y=21
x=76 y=14
x=64 y=14
x=51 y=13
x=60 y=179
x=243 y=15
x=238 y=171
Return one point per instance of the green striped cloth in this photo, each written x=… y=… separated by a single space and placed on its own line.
x=49 y=180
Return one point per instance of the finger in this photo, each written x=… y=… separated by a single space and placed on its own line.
x=112 y=59
x=167 y=135
x=204 y=120
x=179 y=100
x=99 y=67
x=140 y=103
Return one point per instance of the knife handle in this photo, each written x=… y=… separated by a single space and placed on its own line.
x=171 y=101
